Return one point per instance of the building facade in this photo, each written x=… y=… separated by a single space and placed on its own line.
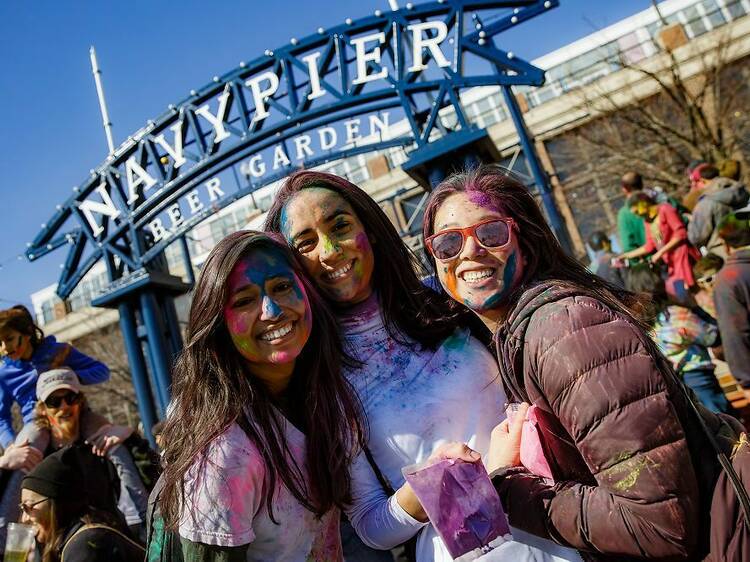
x=584 y=180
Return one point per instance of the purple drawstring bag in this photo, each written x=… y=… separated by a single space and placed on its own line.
x=462 y=505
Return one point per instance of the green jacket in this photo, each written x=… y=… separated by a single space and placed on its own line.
x=631 y=229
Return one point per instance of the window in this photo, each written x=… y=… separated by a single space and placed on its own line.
x=413 y=209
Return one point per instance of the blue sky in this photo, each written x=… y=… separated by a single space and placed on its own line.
x=152 y=53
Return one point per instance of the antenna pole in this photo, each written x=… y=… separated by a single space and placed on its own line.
x=102 y=103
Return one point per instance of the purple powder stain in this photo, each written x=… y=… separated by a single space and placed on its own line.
x=461 y=503
x=480 y=198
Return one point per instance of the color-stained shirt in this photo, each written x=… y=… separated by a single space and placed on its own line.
x=224 y=505
x=417 y=399
x=684 y=338
x=631 y=229
x=18 y=379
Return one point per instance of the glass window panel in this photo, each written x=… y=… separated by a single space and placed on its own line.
x=735 y=8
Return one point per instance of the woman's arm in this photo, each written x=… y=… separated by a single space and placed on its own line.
x=598 y=378
x=88 y=369
x=637 y=253
x=381 y=521
x=384 y=522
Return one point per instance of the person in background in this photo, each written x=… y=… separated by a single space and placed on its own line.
x=704 y=271
x=730 y=169
x=683 y=336
x=666 y=240
x=62 y=411
x=601 y=265
x=719 y=197
x=630 y=226
x=26 y=352
x=68 y=498
x=696 y=184
x=732 y=296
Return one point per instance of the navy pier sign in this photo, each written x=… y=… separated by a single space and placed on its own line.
x=336 y=93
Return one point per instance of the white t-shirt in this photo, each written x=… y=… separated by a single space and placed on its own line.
x=225 y=505
x=415 y=400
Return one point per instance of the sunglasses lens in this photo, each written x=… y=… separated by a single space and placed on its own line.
x=55 y=401
x=493 y=234
x=447 y=245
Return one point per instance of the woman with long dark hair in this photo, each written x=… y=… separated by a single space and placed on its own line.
x=423 y=380
x=262 y=426
x=633 y=473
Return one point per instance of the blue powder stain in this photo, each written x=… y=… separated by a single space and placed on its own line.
x=508 y=275
x=270 y=307
x=454 y=342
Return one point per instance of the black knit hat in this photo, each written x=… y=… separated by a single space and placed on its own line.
x=58 y=476
x=75 y=474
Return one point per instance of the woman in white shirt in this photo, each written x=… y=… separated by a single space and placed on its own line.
x=423 y=380
x=262 y=426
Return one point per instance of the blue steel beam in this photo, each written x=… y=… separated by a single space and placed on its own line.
x=290 y=113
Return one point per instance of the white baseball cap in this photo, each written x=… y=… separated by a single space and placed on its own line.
x=56 y=379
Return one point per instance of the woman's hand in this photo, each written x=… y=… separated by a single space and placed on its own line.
x=656 y=257
x=22 y=456
x=406 y=497
x=108 y=437
x=505 y=443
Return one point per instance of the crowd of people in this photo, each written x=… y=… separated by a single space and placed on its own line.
x=688 y=255
x=321 y=359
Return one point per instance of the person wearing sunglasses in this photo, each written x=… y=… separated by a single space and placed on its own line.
x=630 y=473
x=69 y=499
x=427 y=386
x=62 y=417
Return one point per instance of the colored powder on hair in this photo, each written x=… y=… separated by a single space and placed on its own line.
x=480 y=198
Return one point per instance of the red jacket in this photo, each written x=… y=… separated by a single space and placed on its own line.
x=634 y=473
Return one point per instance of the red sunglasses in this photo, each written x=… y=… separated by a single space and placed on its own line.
x=490 y=234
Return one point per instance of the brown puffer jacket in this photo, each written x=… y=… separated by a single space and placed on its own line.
x=634 y=473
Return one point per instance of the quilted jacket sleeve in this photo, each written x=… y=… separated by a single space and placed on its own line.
x=595 y=374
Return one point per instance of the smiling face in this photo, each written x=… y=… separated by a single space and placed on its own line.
x=37 y=513
x=267 y=313
x=15 y=345
x=478 y=277
x=337 y=254
x=64 y=420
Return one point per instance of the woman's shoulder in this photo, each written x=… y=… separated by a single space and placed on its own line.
x=577 y=315
x=231 y=447
x=95 y=542
x=462 y=343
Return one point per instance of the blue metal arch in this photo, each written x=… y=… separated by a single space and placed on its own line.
x=419 y=94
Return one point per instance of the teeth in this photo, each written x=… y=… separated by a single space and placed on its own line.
x=473 y=276
x=340 y=272
x=276 y=334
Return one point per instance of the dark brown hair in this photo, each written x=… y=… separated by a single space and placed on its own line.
x=409 y=307
x=632 y=181
x=544 y=258
x=212 y=389
x=734 y=229
x=64 y=514
x=19 y=318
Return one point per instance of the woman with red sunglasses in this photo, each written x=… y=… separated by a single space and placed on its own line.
x=631 y=476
